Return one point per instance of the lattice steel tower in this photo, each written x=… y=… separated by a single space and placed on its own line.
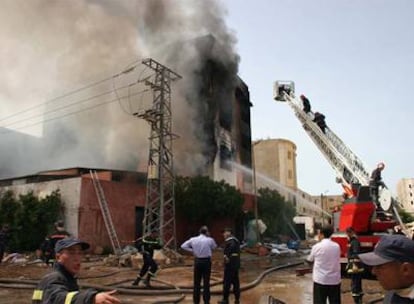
x=160 y=202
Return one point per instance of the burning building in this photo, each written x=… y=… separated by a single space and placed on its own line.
x=210 y=105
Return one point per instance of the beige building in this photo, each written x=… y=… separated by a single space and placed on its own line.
x=275 y=161
x=405 y=193
x=276 y=158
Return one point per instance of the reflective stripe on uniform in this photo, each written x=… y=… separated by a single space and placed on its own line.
x=234 y=254
x=70 y=296
x=37 y=295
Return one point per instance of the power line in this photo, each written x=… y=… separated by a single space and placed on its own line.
x=73 y=113
x=63 y=107
x=125 y=71
x=129 y=87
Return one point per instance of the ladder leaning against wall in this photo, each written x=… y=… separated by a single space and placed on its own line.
x=105 y=213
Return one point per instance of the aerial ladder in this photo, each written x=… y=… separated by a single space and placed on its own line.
x=348 y=167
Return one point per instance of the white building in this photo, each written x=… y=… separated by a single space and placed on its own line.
x=405 y=193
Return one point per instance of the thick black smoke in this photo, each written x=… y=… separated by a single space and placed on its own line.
x=52 y=47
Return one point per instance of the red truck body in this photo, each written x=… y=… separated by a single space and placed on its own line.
x=359 y=212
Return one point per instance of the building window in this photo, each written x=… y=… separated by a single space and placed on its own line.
x=411 y=194
x=409 y=186
x=289 y=155
x=411 y=202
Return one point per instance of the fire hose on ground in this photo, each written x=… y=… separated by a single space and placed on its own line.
x=170 y=289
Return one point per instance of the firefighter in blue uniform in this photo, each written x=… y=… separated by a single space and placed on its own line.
x=60 y=286
x=146 y=246
x=48 y=246
x=231 y=267
x=354 y=267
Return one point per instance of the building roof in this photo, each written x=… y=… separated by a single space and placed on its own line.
x=116 y=175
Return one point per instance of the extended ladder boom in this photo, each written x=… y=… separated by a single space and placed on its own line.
x=347 y=165
x=113 y=237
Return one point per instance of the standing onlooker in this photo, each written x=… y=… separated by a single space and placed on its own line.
x=325 y=257
x=48 y=246
x=61 y=286
x=354 y=267
x=393 y=265
x=231 y=266
x=201 y=246
x=146 y=247
x=4 y=238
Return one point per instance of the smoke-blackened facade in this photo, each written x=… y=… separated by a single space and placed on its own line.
x=84 y=41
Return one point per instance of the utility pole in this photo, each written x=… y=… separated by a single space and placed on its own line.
x=323 y=205
x=323 y=215
x=160 y=202
x=256 y=207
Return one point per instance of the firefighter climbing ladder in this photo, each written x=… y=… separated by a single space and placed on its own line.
x=105 y=212
x=348 y=167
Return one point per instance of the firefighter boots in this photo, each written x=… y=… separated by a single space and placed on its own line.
x=147 y=281
x=136 y=281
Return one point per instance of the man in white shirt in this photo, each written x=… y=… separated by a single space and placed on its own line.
x=325 y=257
x=202 y=247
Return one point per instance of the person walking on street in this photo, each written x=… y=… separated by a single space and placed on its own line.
x=4 y=239
x=392 y=263
x=354 y=267
x=60 y=286
x=146 y=246
x=202 y=247
x=326 y=274
x=231 y=266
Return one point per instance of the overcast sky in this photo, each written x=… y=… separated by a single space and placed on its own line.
x=353 y=59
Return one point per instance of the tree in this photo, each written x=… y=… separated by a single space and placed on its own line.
x=29 y=217
x=405 y=216
x=275 y=212
x=200 y=199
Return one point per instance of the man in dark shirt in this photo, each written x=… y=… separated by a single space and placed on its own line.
x=306 y=104
x=60 y=286
x=48 y=246
x=376 y=181
x=146 y=246
x=354 y=267
x=231 y=267
x=392 y=263
x=319 y=119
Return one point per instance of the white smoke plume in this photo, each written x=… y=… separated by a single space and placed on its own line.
x=52 y=47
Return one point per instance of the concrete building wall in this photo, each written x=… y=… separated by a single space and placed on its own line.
x=276 y=158
x=405 y=193
x=82 y=213
x=328 y=204
x=69 y=190
x=122 y=198
x=275 y=162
